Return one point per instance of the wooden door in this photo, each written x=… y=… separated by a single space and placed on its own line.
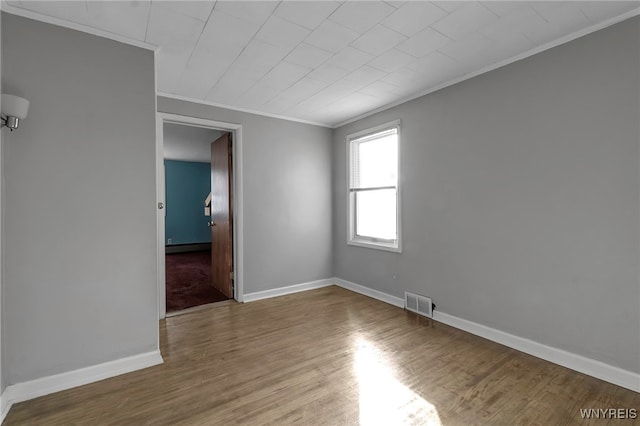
x=221 y=216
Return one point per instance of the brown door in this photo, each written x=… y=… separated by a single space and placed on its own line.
x=221 y=216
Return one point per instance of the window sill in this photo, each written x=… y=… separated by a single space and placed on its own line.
x=378 y=246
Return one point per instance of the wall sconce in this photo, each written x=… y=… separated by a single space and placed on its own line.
x=14 y=109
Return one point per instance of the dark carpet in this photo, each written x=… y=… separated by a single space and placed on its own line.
x=188 y=280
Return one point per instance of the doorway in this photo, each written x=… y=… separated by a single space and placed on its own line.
x=190 y=259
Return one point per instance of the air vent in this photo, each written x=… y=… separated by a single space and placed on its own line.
x=419 y=304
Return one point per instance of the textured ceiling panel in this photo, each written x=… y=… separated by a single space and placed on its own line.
x=326 y=61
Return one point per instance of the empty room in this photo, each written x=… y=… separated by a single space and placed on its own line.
x=395 y=212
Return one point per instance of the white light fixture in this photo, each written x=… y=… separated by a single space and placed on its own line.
x=14 y=109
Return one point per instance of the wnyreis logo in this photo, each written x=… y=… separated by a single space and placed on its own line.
x=608 y=413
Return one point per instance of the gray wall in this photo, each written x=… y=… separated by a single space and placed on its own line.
x=2 y=368
x=287 y=196
x=80 y=232
x=188 y=143
x=520 y=197
x=520 y=200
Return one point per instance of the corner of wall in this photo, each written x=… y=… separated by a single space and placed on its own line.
x=2 y=372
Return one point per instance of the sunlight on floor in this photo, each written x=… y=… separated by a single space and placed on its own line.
x=383 y=399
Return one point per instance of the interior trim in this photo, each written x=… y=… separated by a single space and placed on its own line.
x=46 y=385
x=26 y=13
x=4 y=6
x=237 y=191
x=239 y=109
x=591 y=367
x=282 y=291
x=562 y=40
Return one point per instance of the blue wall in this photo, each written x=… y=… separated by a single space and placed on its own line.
x=187 y=186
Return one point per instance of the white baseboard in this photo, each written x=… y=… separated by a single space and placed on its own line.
x=588 y=366
x=375 y=294
x=46 y=385
x=282 y=291
x=4 y=406
x=50 y=384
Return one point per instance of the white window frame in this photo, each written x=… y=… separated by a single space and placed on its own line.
x=352 y=238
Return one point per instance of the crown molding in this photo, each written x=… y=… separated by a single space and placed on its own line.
x=4 y=6
x=562 y=40
x=239 y=109
x=25 y=13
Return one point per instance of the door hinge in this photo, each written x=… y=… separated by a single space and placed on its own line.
x=231 y=275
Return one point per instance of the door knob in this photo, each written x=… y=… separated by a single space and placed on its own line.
x=211 y=224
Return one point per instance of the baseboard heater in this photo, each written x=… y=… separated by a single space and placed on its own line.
x=183 y=248
x=421 y=305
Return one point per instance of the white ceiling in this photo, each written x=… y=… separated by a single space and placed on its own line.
x=328 y=62
x=188 y=143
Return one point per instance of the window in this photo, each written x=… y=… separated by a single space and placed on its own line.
x=373 y=188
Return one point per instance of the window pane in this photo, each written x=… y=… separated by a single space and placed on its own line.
x=376 y=214
x=377 y=162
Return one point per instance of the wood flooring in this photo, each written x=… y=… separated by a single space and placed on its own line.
x=329 y=357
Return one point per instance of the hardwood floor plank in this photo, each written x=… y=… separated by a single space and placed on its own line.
x=328 y=356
